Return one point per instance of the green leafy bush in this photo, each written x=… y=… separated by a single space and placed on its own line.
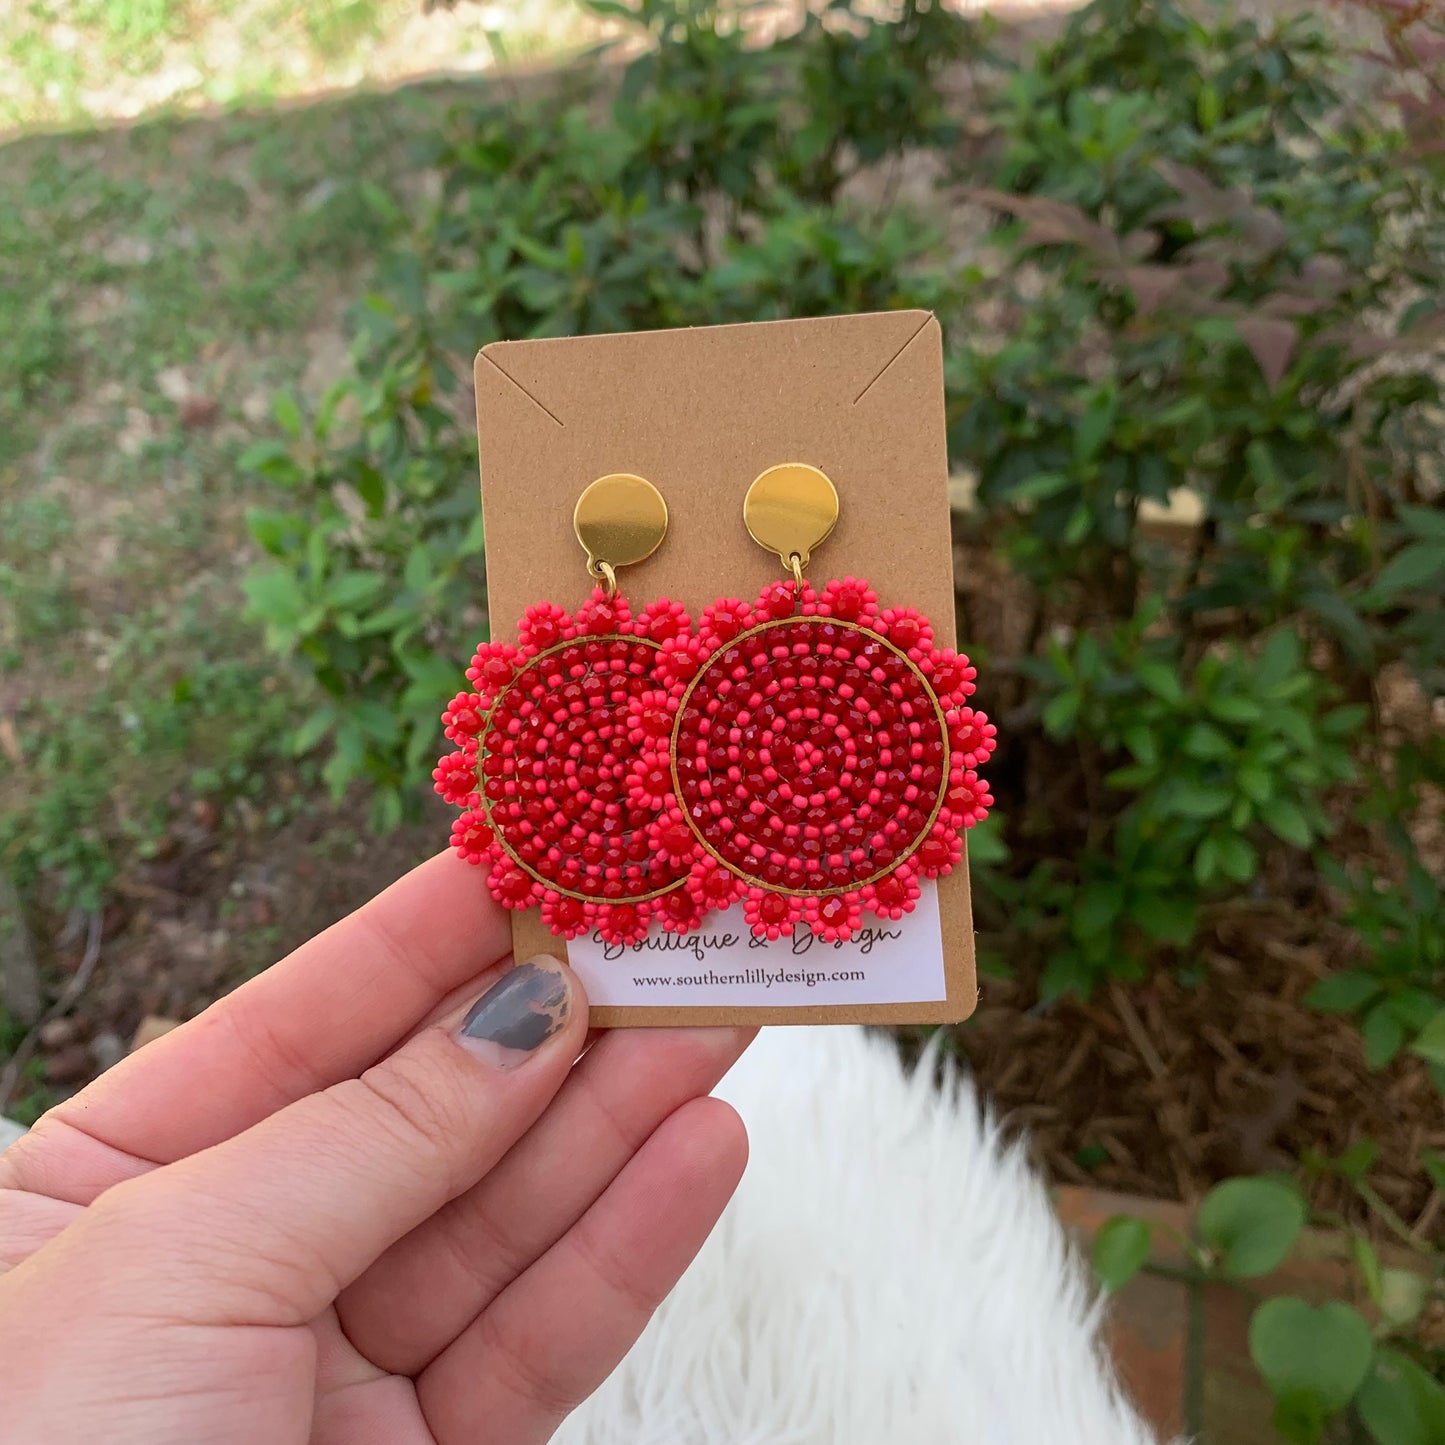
x=1181 y=311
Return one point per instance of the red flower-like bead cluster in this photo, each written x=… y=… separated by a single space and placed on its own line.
x=813 y=757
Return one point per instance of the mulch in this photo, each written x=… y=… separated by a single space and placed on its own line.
x=1162 y=1089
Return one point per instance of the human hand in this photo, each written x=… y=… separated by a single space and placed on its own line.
x=318 y=1213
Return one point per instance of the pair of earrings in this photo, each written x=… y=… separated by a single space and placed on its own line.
x=810 y=755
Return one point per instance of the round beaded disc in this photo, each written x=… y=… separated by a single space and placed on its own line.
x=823 y=759
x=549 y=770
x=810 y=756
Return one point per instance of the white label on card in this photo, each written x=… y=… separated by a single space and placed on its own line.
x=724 y=966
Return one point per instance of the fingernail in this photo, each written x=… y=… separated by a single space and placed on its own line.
x=518 y=1014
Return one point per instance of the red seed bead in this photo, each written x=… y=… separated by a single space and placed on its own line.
x=677 y=840
x=510 y=884
x=567 y=914
x=773 y=907
x=891 y=891
x=723 y=621
x=662 y=619
x=597 y=619
x=905 y=632
x=777 y=600
x=471 y=837
x=455 y=778
x=677 y=904
x=464 y=717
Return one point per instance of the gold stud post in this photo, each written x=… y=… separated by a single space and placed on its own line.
x=789 y=510
x=620 y=519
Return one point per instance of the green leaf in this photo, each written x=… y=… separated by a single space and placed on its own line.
x=1066 y=973
x=1237 y=858
x=386 y=810
x=1343 y=993
x=316 y=726
x=1382 y=1034
x=1424 y=522
x=270 y=529
x=351 y=589
x=1285 y=820
x=1160 y=678
x=1207 y=743
x=1195 y=800
x=1356 y=1161
x=1399 y=1404
x=1143 y=743
x=1415 y=1008
x=1099 y=904
x=1121 y=1249
x=1060 y=714
x=1322 y=1352
x=417 y=574
x=1298 y=1418
x=1255 y=783
x=1094 y=426
x=1168 y=918
x=275 y=597
x=1430 y=1046
x=371 y=488
x=1038 y=488
x=1294 y=727
x=986 y=843
x=1239 y=710
x=270 y=458
x=1278 y=659
x=1252 y=1224
x=287 y=413
x=1418 y=565
x=1206 y=861
x=1081 y=520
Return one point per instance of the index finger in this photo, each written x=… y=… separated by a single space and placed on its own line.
x=325 y=1013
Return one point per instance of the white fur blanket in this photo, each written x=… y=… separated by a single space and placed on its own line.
x=890 y=1273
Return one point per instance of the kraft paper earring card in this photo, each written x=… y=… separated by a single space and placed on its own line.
x=745 y=796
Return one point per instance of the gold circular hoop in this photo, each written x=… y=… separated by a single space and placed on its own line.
x=937 y=712
x=486 y=806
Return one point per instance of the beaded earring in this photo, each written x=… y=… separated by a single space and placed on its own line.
x=823 y=754
x=558 y=790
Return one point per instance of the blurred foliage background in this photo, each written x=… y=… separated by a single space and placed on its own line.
x=1189 y=266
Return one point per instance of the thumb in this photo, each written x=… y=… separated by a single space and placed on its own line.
x=268 y=1227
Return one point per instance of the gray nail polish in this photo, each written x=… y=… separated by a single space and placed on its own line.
x=518 y=1014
